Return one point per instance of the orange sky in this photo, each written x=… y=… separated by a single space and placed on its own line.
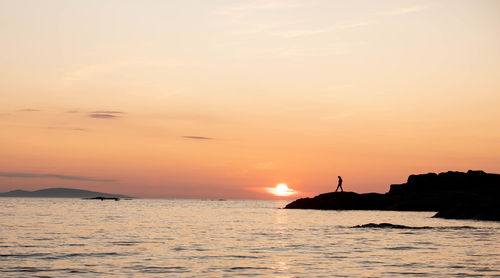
x=222 y=99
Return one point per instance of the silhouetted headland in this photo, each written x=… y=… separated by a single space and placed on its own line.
x=453 y=195
x=60 y=193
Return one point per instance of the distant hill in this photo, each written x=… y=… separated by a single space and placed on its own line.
x=60 y=193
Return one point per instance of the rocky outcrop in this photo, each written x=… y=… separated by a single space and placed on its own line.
x=457 y=195
x=388 y=226
x=342 y=200
x=480 y=209
x=103 y=198
x=396 y=226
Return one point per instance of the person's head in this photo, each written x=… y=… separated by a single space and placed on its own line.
x=339 y=177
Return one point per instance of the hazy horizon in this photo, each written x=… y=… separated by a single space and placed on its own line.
x=226 y=99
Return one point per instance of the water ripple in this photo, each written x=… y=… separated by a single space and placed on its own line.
x=191 y=238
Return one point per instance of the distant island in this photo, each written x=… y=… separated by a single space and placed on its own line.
x=60 y=193
x=453 y=195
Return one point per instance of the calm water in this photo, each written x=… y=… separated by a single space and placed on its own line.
x=185 y=238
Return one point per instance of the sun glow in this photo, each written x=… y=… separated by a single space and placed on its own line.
x=281 y=190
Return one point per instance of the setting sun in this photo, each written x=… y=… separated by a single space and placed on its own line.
x=281 y=190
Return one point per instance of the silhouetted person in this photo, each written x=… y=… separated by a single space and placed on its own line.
x=340 y=185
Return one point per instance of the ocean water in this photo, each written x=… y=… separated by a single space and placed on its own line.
x=206 y=238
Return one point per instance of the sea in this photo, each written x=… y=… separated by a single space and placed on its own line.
x=64 y=237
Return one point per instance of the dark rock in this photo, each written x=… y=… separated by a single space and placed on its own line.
x=480 y=209
x=395 y=226
x=103 y=198
x=341 y=200
x=458 y=195
x=388 y=226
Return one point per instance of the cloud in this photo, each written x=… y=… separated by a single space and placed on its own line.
x=197 y=137
x=52 y=176
x=102 y=116
x=309 y=32
x=300 y=33
x=28 y=110
x=67 y=128
x=407 y=10
x=107 y=112
x=91 y=71
x=347 y=25
x=260 y=5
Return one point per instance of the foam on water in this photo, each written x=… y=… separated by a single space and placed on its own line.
x=185 y=238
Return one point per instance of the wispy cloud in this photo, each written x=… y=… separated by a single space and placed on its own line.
x=105 y=114
x=259 y=5
x=309 y=32
x=407 y=10
x=352 y=24
x=290 y=34
x=28 y=110
x=245 y=16
x=52 y=176
x=348 y=24
x=102 y=116
x=67 y=128
x=108 y=112
x=197 y=137
x=88 y=72
x=292 y=51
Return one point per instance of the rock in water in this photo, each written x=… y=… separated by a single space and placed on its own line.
x=388 y=226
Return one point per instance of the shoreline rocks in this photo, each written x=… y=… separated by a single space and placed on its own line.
x=453 y=195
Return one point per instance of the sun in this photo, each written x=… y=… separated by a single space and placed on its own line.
x=281 y=190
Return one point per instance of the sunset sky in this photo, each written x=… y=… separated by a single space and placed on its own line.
x=223 y=99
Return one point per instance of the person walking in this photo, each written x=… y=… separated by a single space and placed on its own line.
x=339 y=186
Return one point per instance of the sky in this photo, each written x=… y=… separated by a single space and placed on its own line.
x=226 y=99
